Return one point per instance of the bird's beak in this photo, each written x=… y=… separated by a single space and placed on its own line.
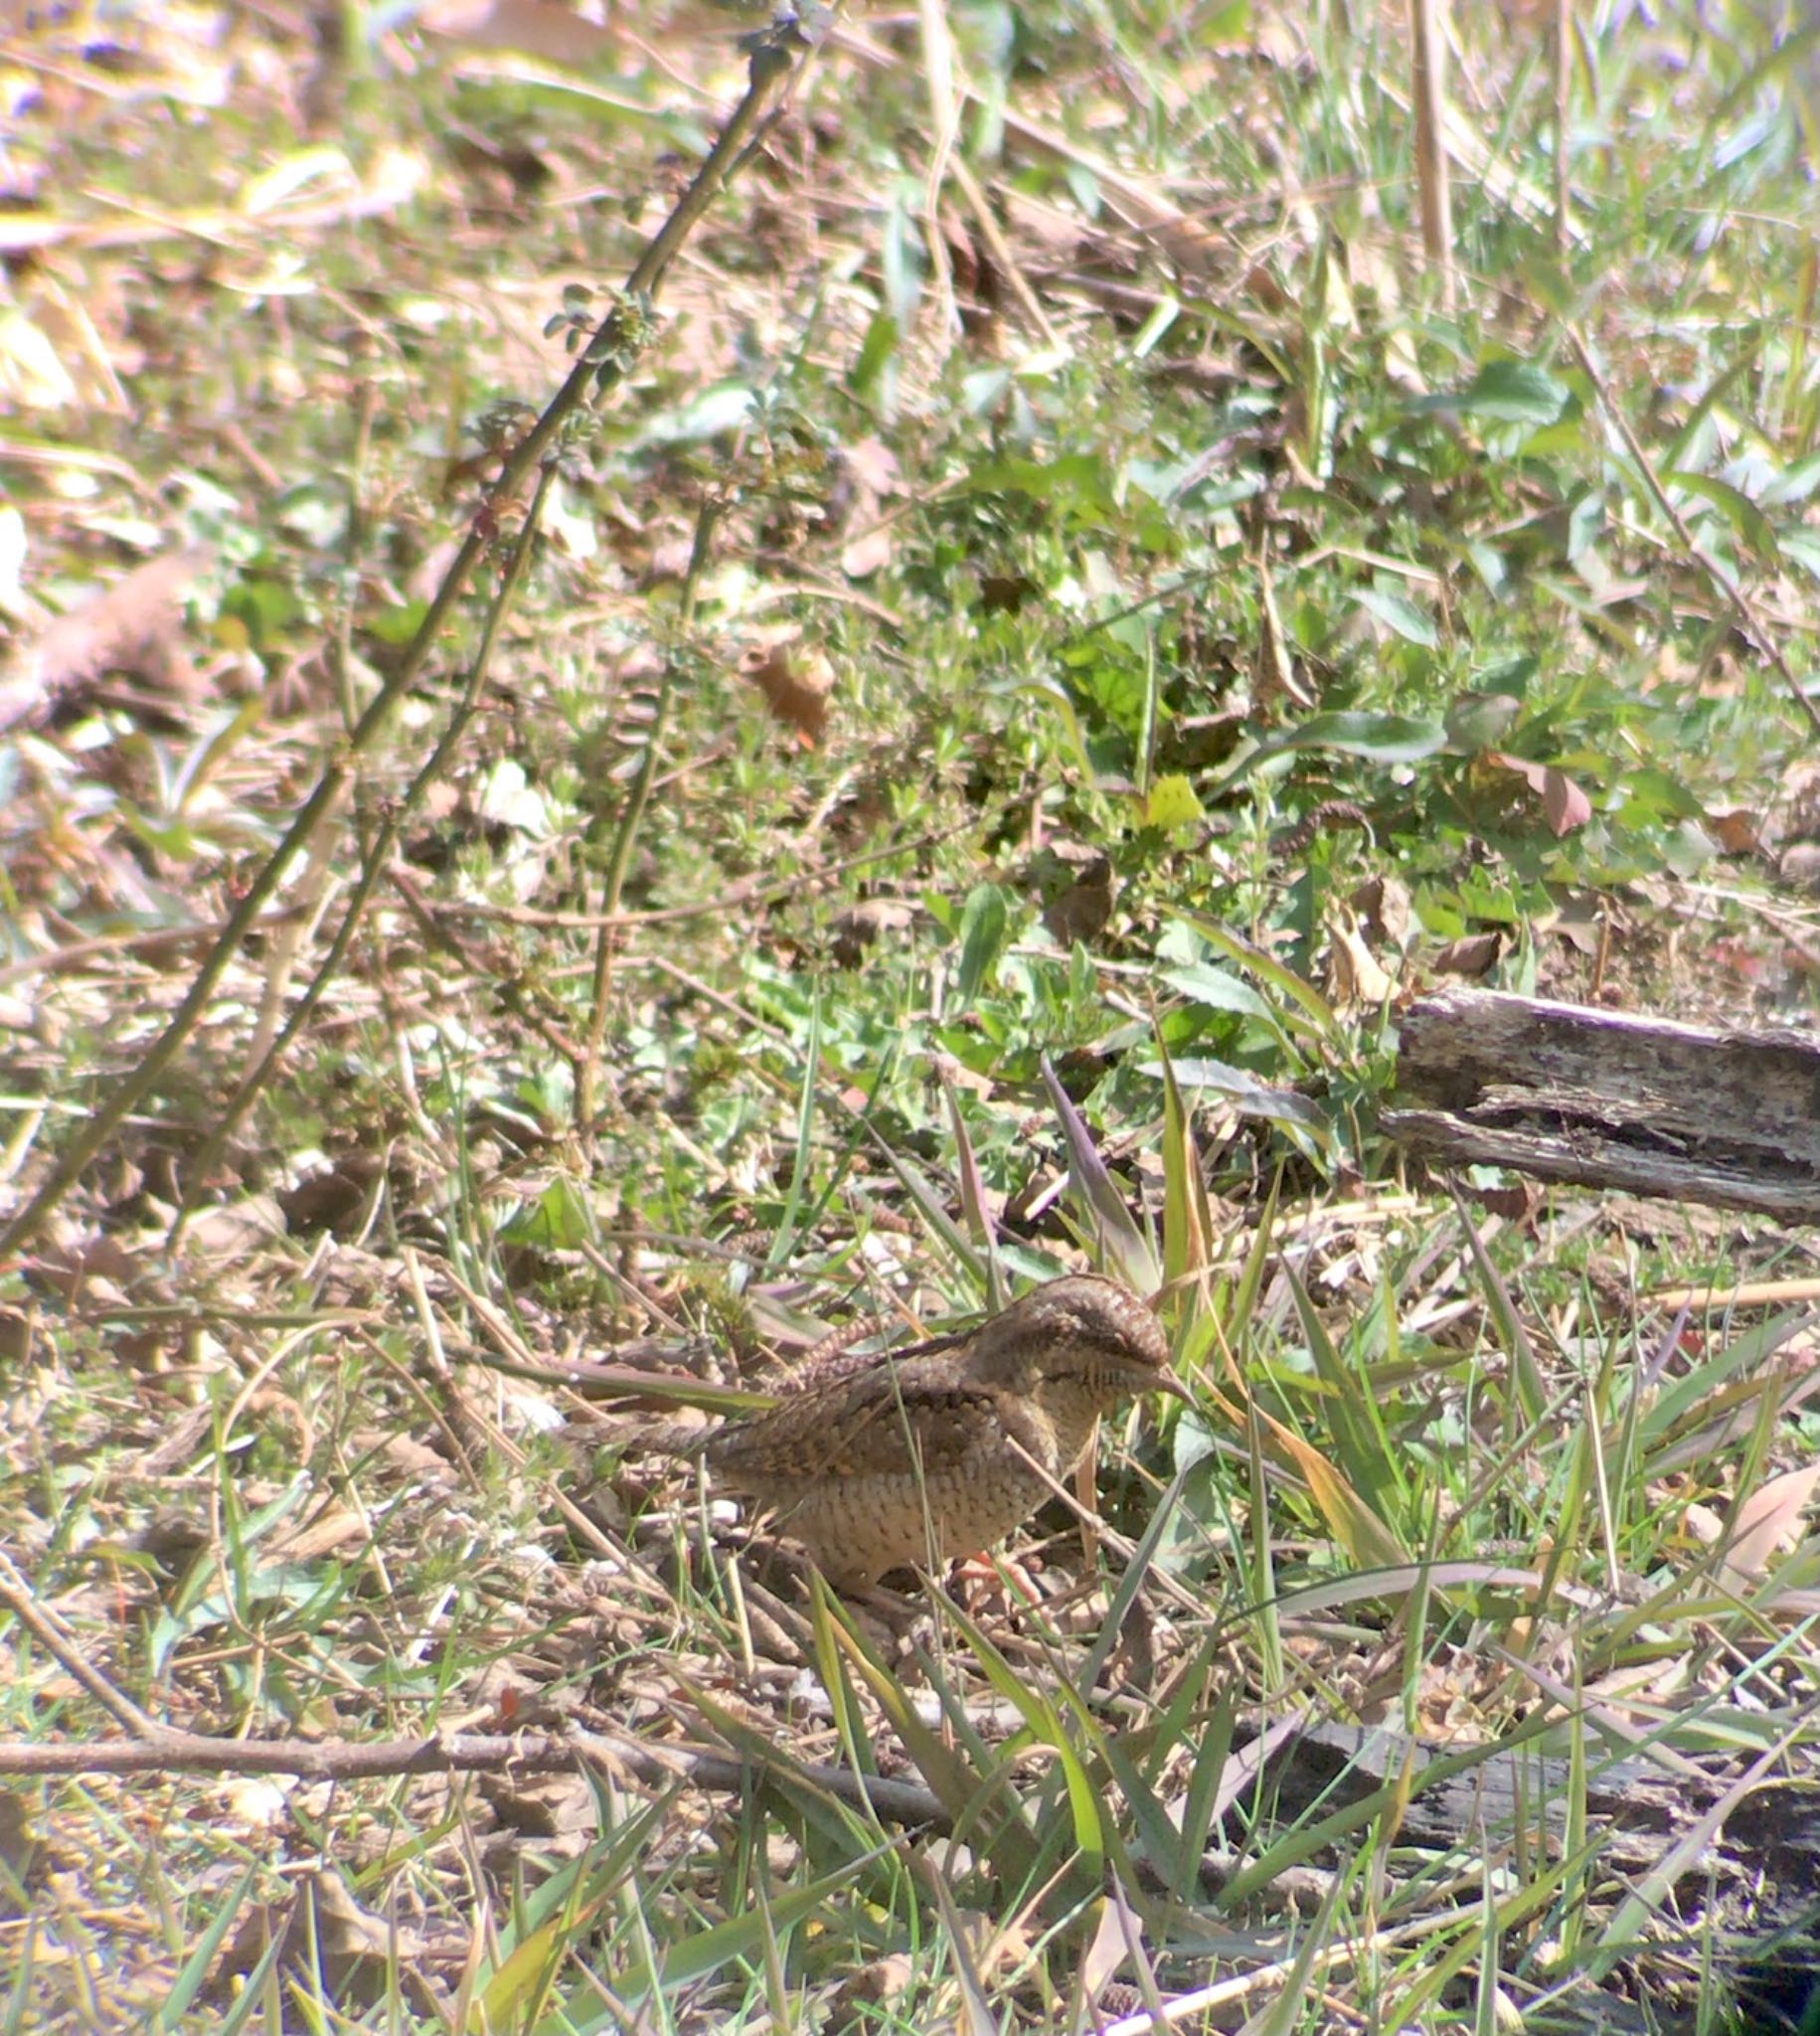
x=1165 y=1381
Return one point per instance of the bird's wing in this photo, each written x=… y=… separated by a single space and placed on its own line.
x=862 y=1425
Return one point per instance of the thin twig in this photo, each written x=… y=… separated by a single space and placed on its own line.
x=1433 y=178
x=771 y=66
x=16 y=1597
x=748 y=890
x=337 y=1759
x=1715 y=572
x=1563 y=112
x=378 y=856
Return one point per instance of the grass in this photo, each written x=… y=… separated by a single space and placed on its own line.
x=1041 y=648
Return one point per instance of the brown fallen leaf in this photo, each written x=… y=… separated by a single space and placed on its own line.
x=1074 y=881
x=1563 y=804
x=537 y=27
x=1471 y=955
x=871 y=473
x=133 y=626
x=1354 y=973
x=1736 y=829
x=855 y=928
x=1386 y=910
x=796 y=683
x=1516 y=1203
x=1799 y=865
x=1766 y=1520
x=1004 y=593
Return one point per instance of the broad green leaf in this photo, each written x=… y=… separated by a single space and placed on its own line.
x=1171 y=802
x=1399 y=614
x=1382 y=738
x=985 y=929
x=1300 y=998
x=399 y=623
x=1244 y=1092
x=876 y=351
x=1076 y=480
x=1743 y=514
x=1119 y=1234
x=1514 y=393
x=1503 y=391
x=1216 y=989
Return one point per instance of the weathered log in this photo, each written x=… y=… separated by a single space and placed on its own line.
x=1610 y=1099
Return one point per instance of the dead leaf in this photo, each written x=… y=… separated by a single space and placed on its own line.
x=1075 y=882
x=231 y=1231
x=543 y=1806
x=855 y=928
x=874 y=466
x=323 y=1931
x=1769 y=1519
x=93 y=1272
x=540 y=28
x=1472 y=955
x=1004 y=593
x=1800 y=865
x=134 y=626
x=1354 y=974
x=254 y=1803
x=1386 y=910
x=796 y=683
x=869 y=472
x=1734 y=828
x=1516 y=1204
x=1581 y=924
x=869 y=1986
x=1563 y=804
x=869 y=553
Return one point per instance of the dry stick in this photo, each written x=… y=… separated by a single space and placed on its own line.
x=336 y=1759
x=770 y=68
x=748 y=890
x=1001 y=250
x=379 y=855
x=1563 y=108
x=1429 y=36
x=78 y=953
x=945 y=113
x=16 y=1597
x=587 y=1070
x=1715 y=572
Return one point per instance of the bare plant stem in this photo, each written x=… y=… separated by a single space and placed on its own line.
x=379 y=852
x=332 y=1760
x=1429 y=91
x=16 y=1598
x=600 y=362
x=1717 y=574
x=1563 y=114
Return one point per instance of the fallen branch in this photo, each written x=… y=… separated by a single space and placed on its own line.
x=336 y=1759
x=1613 y=1100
